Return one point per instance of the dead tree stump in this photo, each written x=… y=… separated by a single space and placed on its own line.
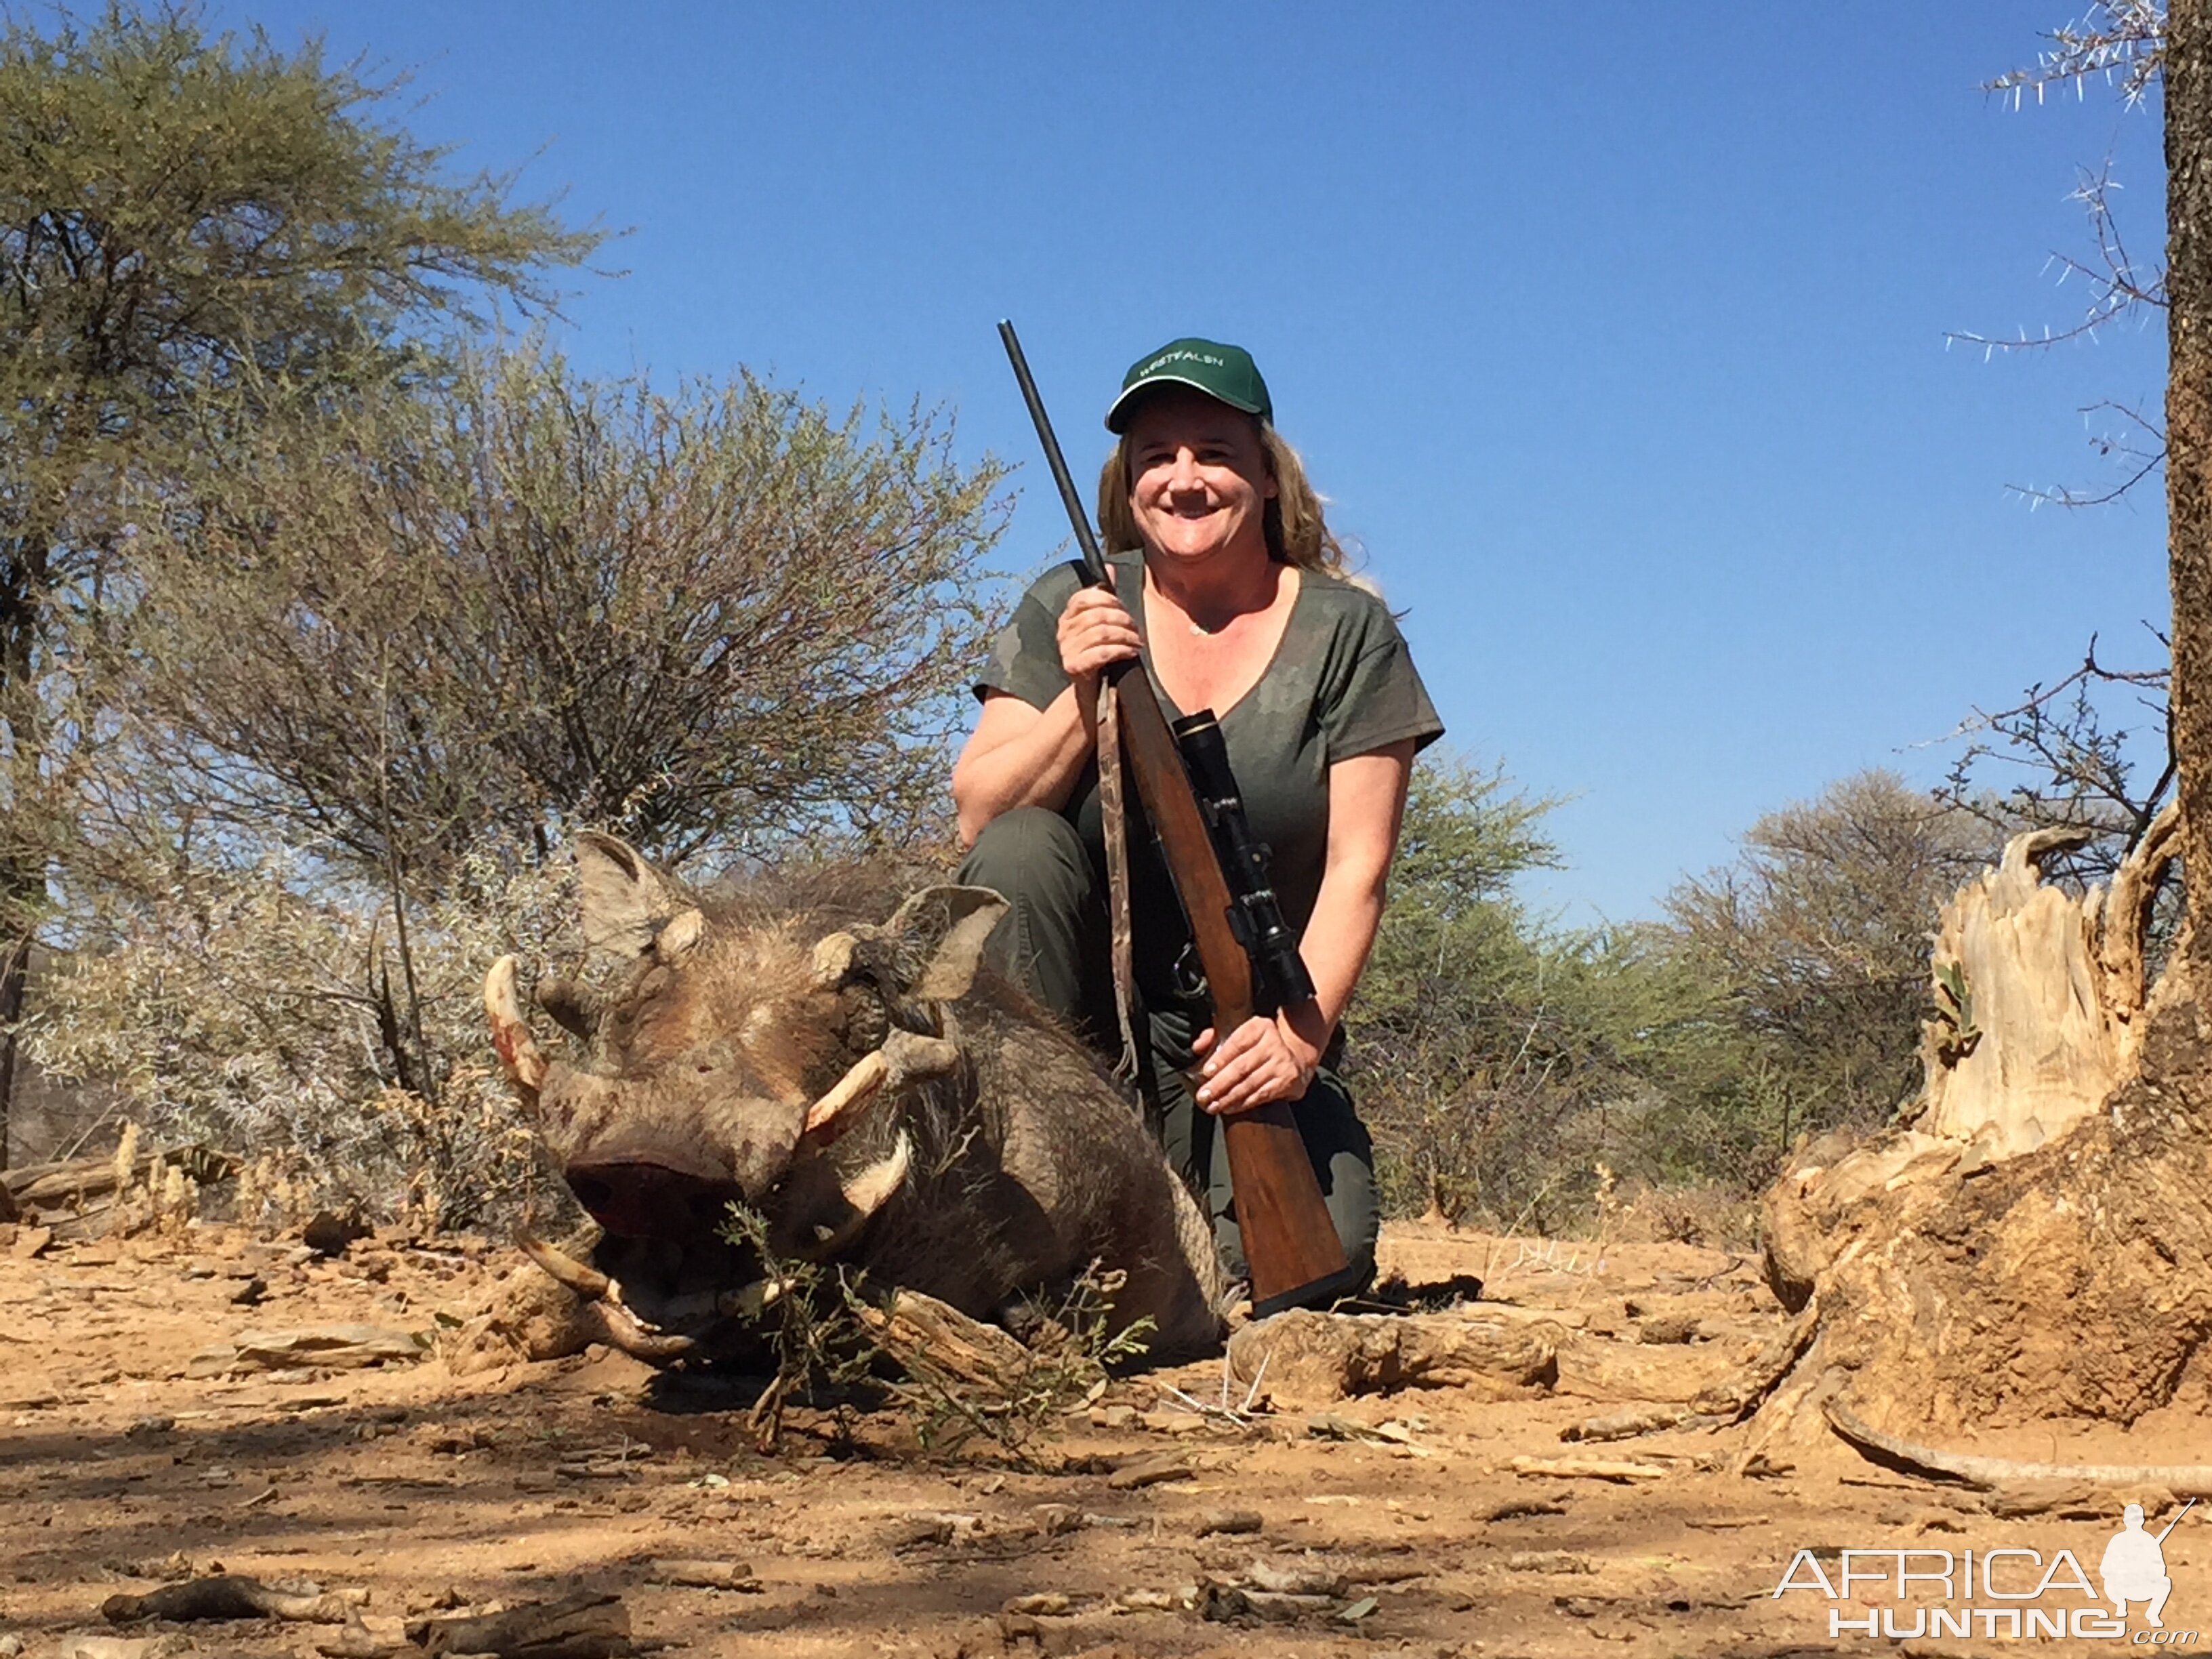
x=2033 y=1238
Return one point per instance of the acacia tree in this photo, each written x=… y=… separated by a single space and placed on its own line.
x=385 y=658
x=2036 y=1242
x=187 y=221
x=721 y=620
x=1453 y=1047
x=1816 y=936
x=1507 y=1062
x=2092 y=749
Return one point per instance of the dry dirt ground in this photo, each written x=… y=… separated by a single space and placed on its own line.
x=119 y=1467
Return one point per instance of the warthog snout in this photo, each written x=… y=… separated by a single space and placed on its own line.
x=653 y=1192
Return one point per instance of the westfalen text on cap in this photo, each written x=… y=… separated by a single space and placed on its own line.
x=1222 y=371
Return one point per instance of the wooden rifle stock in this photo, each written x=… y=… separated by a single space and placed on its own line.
x=1290 y=1246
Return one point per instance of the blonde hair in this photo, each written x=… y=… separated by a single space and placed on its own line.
x=1296 y=531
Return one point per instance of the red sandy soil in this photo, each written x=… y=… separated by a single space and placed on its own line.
x=431 y=1490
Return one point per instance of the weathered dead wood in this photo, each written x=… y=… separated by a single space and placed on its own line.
x=228 y=1597
x=2024 y=1044
x=704 y=1575
x=586 y=1625
x=919 y=1333
x=75 y=1182
x=174 y=1645
x=338 y=1347
x=355 y=1642
x=2032 y=1240
x=1602 y=1370
x=1620 y=1471
x=1743 y=1392
x=85 y=1187
x=2183 y=1479
x=1630 y=1425
x=2124 y=921
x=1155 y=1470
x=1303 y=1359
x=2068 y=1499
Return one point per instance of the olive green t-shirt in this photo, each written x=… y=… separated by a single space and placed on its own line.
x=1340 y=683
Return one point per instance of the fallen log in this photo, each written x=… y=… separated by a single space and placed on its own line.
x=1628 y=1425
x=74 y=1182
x=704 y=1575
x=1304 y=1358
x=587 y=1626
x=1744 y=1393
x=1618 y=1470
x=228 y=1596
x=922 y=1334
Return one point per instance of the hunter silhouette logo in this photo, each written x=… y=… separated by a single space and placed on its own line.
x=2134 y=1565
x=2007 y=1593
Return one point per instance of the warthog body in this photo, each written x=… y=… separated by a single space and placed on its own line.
x=876 y=1098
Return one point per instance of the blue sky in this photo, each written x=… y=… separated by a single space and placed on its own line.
x=1618 y=343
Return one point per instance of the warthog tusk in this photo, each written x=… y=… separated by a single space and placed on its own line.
x=602 y=1300
x=588 y=1282
x=867 y=1077
x=754 y=1300
x=864 y=1192
x=906 y=1057
x=626 y=1331
x=870 y=1189
x=510 y=1032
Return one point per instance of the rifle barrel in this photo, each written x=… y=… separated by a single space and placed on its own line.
x=1087 y=540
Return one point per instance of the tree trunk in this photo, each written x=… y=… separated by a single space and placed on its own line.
x=23 y=572
x=2188 y=92
x=15 y=980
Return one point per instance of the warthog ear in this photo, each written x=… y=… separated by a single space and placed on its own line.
x=624 y=900
x=950 y=924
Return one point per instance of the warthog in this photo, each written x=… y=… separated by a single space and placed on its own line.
x=871 y=1092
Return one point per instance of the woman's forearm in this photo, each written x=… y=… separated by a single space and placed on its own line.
x=1366 y=802
x=1020 y=756
x=1338 y=938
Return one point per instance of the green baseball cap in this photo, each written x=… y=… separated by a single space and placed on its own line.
x=1224 y=371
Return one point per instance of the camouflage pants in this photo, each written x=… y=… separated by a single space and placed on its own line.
x=1054 y=942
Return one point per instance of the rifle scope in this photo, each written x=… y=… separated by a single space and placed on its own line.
x=1254 y=914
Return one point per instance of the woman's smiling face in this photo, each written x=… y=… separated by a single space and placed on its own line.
x=1198 y=481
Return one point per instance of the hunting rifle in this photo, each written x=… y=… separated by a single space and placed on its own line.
x=1220 y=875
